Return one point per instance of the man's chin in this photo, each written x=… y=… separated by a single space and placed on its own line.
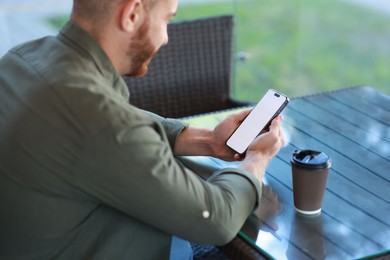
x=140 y=72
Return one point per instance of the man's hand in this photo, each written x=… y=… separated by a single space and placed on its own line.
x=263 y=149
x=222 y=132
x=269 y=143
x=199 y=141
x=206 y=142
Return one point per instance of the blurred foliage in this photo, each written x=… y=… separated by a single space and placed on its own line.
x=301 y=47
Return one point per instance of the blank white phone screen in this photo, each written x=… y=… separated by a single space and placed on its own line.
x=256 y=121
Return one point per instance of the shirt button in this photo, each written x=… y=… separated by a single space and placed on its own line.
x=206 y=214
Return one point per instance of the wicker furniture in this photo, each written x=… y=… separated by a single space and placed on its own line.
x=192 y=74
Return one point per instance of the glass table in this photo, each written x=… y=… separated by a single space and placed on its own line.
x=353 y=127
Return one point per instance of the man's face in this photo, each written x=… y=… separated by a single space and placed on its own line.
x=151 y=35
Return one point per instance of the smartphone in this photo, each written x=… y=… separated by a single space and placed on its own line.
x=257 y=121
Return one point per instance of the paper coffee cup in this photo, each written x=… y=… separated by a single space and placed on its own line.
x=310 y=173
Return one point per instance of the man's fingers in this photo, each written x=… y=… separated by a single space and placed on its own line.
x=278 y=119
x=238 y=157
x=277 y=131
x=275 y=124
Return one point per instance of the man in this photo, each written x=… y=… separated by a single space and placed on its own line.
x=84 y=174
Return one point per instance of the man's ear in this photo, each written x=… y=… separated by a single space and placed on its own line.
x=131 y=15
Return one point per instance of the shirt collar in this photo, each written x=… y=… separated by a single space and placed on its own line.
x=83 y=41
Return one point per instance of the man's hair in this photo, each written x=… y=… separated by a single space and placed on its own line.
x=98 y=12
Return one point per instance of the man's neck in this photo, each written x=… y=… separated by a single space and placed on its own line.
x=108 y=39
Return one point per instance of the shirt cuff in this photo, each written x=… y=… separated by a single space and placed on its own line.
x=257 y=186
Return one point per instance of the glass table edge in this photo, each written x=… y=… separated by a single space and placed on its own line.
x=373 y=255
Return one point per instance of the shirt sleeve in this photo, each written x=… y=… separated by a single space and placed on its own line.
x=172 y=127
x=129 y=166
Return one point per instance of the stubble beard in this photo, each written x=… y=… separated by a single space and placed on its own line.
x=140 y=52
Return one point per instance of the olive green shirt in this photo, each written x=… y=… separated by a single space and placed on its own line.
x=86 y=175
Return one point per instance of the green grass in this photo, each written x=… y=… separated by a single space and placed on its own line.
x=302 y=46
